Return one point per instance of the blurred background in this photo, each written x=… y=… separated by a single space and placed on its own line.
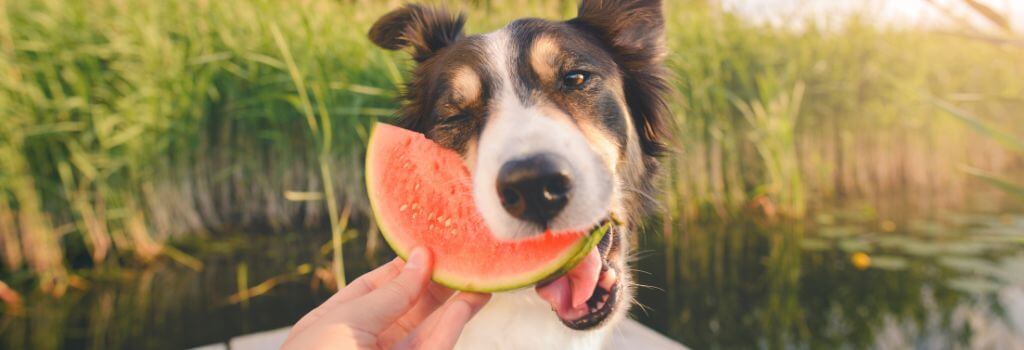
x=845 y=174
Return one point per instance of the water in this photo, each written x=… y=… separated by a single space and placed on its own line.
x=168 y=306
x=852 y=278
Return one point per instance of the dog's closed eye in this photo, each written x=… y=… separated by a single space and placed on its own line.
x=454 y=118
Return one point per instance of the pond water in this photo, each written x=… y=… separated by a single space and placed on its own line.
x=853 y=278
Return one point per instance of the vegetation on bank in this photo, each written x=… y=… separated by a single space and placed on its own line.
x=127 y=123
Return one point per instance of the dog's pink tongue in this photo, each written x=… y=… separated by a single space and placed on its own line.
x=568 y=294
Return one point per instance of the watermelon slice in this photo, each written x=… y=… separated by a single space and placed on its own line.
x=421 y=194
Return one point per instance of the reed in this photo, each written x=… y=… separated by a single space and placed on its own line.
x=127 y=123
x=866 y=124
x=1007 y=139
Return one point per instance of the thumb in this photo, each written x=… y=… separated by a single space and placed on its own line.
x=379 y=309
x=442 y=329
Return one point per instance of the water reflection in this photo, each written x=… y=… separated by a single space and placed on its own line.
x=844 y=280
x=168 y=306
x=841 y=281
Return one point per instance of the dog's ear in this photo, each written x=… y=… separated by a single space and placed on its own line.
x=627 y=25
x=425 y=29
x=635 y=32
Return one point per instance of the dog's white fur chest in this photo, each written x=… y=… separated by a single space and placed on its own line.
x=522 y=320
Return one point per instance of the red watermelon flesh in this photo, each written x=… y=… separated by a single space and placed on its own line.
x=421 y=194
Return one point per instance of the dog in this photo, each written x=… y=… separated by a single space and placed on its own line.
x=561 y=125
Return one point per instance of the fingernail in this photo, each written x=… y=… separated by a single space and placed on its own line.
x=461 y=307
x=417 y=259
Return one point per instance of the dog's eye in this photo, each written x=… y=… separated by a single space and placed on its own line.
x=575 y=79
x=452 y=119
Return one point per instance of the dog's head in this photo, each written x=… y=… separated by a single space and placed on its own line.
x=560 y=124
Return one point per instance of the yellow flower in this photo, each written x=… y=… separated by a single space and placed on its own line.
x=860 y=260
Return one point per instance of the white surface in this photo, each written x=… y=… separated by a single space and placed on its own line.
x=632 y=335
x=627 y=335
x=259 y=341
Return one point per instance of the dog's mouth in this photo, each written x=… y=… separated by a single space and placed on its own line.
x=585 y=296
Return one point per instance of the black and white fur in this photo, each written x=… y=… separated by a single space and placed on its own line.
x=504 y=95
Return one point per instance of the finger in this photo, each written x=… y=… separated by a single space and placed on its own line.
x=371 y=281
x=378 y=310
x=442 y=329
x=362 y=285
x=435 y=296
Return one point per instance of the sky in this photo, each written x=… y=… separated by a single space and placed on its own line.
x=888 y=12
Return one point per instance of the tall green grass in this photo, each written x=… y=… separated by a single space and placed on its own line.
x=128 y=122
x=864 y=127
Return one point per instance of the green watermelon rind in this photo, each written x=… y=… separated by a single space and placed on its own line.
x=593 y=239
x=558 y=267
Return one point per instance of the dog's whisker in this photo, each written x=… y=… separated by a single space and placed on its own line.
x=637 y=271
x=648 y=287
x=640 y=305
x=640 y=254
x=646 y=195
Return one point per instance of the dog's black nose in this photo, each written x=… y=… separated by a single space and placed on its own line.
x=535 y=188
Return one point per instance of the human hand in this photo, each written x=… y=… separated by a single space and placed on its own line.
x=394 y=306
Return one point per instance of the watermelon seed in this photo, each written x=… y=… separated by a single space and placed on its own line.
x=448 y=223
x=440 y=218
x=403 y=207
x=416 y=187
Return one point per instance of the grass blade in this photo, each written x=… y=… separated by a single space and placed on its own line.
x=1005 y=185
x=1010 y=141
